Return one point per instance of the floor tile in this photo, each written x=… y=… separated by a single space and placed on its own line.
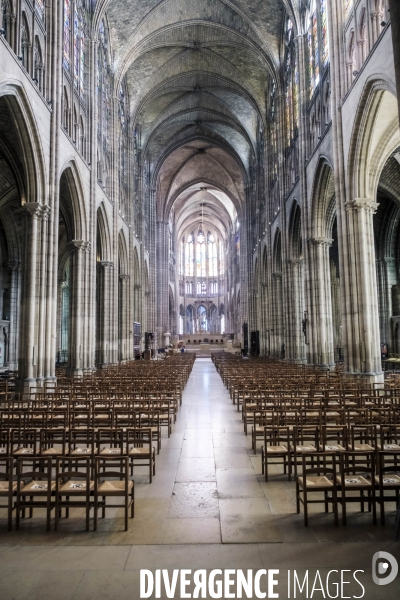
x=197 y=499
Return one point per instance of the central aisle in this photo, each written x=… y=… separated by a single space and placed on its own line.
x=216 y=495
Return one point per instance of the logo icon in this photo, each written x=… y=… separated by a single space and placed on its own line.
x=384 y=568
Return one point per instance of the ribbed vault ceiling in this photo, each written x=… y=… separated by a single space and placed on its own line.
x=197 y=73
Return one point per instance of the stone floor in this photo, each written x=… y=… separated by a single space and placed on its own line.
x=208 y=507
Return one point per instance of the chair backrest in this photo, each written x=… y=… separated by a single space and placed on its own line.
x=350 y=466
x=73 y=468
x=7 y=470
x=34 y=469
x=105 y=469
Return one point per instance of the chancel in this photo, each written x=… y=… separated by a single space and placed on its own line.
x=199 y=289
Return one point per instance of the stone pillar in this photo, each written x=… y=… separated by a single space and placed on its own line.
x=395 y=21
x=44 y=314
x=162 y=280
x=295 y=339
x=124 y=341
x=27 y=359
x=276 y=330
x=360 y=308
x=320 y=311
x=77 y=314
x=105 y=338
x=15 y=300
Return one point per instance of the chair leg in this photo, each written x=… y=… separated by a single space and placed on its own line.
x=126 y=511
x=344 y=515
x=17 y=515
x=57 y=515
x=10 y=507
x=305 y=505
x=373 y=499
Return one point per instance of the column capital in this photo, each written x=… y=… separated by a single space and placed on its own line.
x=107 y=264
x=320 y=241
x=80 y=246
x=137 y=286
x=124 y=277
x=277 y=275
x=294 y=262
x=37 y=210
x=359 y=204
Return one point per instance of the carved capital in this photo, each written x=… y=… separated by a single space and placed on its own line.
x=107 y=264
x=137 y=286
x=359 y=204
x=124 y=278
x=34 y=209
x=45 y=212
x=80 y=246
x=320 y=241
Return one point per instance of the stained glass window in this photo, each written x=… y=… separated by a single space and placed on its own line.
x=324 y=34
x=201 y=254
x=310 y=59
x=296 y=93
x=315 y=49
x=103 y=87
x=317 y=40
x=182 y=258
x=39 y=4
x=212 y=256
x=348 y=4
x=189 y=256
x=67 y=37
x=82 y=53
x=76 y=45
x=221 y=257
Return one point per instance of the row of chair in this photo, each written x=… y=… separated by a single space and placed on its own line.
x=136 y=444
x=66 y=483
x=340 y=481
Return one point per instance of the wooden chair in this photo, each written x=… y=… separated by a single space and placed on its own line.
x=53 y=442
x=5 y=438
x=387 y=480
x=139 y=447
x=261 y=419
x=74 y=487
x=109 y=483
x=8 y=486
x=356 y=478
x=319 y=479
x=110 y=442
x=305 y=440
x=35 y=487
x=25 y=442
x=276 y=446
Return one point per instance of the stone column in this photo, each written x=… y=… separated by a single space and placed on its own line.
x=162 y=280
x=77 y=314
x=320 y=311
x=395 y=21
x=124 y=352
x=295 y=339
x=105 y=340
x=27 y=359
x=15 y=299
x=360 y=308
x=276 y=330
x=44 y=315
